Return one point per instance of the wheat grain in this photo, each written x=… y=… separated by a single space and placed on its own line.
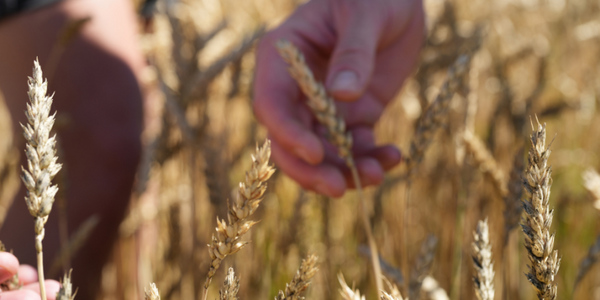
x=482 y=261
x=591 y=180
x=40 y=150
x=227 y=241
x=301 y=280
x=538 y=218
x=230 y=287
x=324 y=110
x=66 y=288
x=151 y=293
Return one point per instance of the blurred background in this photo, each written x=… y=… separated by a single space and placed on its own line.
x=537 y=57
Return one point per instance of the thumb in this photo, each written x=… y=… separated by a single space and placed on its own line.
x=353 y=57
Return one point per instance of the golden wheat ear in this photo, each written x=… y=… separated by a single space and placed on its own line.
x=482 y=262
x=42 y=165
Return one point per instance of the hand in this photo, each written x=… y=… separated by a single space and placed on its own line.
x=9 y=266
x=363 y=50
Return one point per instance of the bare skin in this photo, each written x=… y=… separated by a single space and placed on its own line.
x=363 y=50
x=98 y=97
x=9 y=266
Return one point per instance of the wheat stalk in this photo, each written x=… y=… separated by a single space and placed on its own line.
x=151 y=293
x=538 y=218
x=227 y=241
x=301 y=280
x=482 y=261
x=230 y=287
x=40 y=150
x=486 y=162
x=66 y=288
x=323 y=107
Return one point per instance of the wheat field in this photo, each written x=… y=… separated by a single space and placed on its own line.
x=488 y=71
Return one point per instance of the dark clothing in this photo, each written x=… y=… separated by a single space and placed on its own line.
x=9 y=7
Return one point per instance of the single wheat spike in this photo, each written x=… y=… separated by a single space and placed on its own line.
x=538 y=218
x=348 y=293
x=592 y=258
x=482 y=261
x=434 y=115
x=40 y=150
x=230 y=287
x=591 y=180
x=512 y=201
x=228 y=241
x=486 y=162
x=432 y=290
x=66 y=288
x=323 y=107
x=422 y=267
x=301 y=280
x=151 y=293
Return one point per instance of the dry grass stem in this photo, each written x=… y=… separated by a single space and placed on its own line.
x=486 y=162
x=482 y=261
x=512 y=201
x=301 y=280
x=422 y=267
x=324 y=110
x=588 y=262
x=538 y=218
x=66 y=288
x=228 y=241
x=591 y=180
x=347 y=292
x=40 y=150
x=151 y=293
x=230 y=287
x=77 y=240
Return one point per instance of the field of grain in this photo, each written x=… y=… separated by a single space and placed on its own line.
x=529 y=60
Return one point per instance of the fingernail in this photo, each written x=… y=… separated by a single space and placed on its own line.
x=345 y=81
x=301 y=152
x=322 y=189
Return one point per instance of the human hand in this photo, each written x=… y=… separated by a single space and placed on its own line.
x=9 y=266
x=362 y=50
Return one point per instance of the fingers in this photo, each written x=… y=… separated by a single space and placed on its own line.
x=325 y=179
x=277 y=105
x=9 y=266
x=52 y=287
x=27 y=274
x=352 y=62
x=20 y=295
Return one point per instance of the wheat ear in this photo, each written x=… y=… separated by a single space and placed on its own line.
x=591 y=180
x=586 y=264
x=151 y=293
x=40 y=150
x=486 y=161
x=538 y=218
x=394 y=292
x=250 y=193
x=66 y=288
x=482 y=261
x=301 y=280
x=323 y=107
x=348 y=293
x=512 y=201
x=230 y=287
